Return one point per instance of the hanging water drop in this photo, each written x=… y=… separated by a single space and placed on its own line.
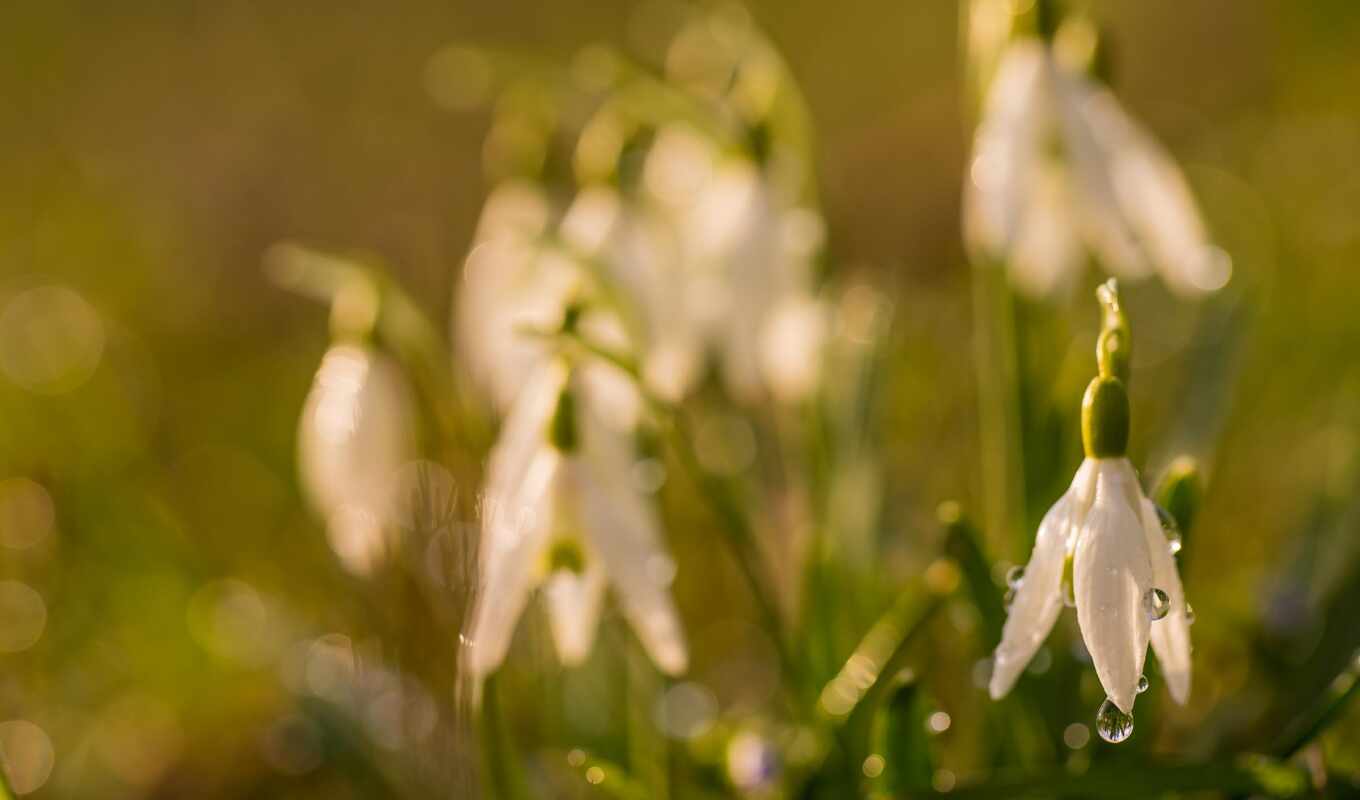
x=1171 y=529
x=1142 y=684
x=1008 y=599
x=1113 y=725
x=1156 y=604
x=1014 y=576
x=1189 y=615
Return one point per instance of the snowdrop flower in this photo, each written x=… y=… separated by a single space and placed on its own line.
x=561 y=514
x=357 y=430
x=513 y=280
x=720 y=265
x=1059 y=167
x=526 y=273
x=1122 y=576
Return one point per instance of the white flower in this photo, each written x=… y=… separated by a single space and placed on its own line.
x=1119 y=556
x=569 y=519
x=513 y=281
x=1058 y=164
x=718 y=262
x=357 y=430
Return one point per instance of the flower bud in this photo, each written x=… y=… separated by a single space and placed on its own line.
x=1180 y=492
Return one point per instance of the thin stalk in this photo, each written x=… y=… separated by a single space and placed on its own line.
x=503 y=775
x=648 y=752
x=994 y=343
x=740 y=538
x=1322 y=714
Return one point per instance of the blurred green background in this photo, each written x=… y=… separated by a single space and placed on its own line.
x=159 y=572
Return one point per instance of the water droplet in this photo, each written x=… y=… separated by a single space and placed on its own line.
x=1008 y=599
x=1189 y=615
x=1069 y=594
x=1156 y=604
x=1113 y=725
x=1142 y=684
x=1014 y=576
x=1171 y=529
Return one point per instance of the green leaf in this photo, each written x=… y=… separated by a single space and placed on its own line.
x=1327 y=710
x=961 y=543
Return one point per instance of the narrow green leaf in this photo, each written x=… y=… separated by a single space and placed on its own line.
x=961 y=543
x=1315 y=720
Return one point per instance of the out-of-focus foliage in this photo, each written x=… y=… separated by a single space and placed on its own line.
x=173 y=622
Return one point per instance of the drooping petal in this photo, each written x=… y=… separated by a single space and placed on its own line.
x=1005 y=150
x=1111 y=572
x=513 y=537
x=516 y=517
x=1038 y=600
x=625 y=534
x=1171 y=634
x=1047 y=250
x=1155 y=199
x=1101 y=217
x=574 y=603
x=357 y=430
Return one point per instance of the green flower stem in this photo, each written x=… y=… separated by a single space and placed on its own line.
x=1248 y=775
x=1003 y=469
x=502 y=771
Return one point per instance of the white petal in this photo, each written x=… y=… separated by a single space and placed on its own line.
x=1111 y=572
x=1101 y=216
x=625 y=534
x=791 y=347
x=513 y=537
x=516 y=517
x=357 y=430
x=574 y=610
x=1170 y=634
x=1047 y=250
x=1005 y=151
x=1038 y=600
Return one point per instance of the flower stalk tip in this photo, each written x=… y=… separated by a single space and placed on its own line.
x=1114 y=346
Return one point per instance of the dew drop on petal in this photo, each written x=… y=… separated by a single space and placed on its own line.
x=1113 y=725
x=1171 y=529
x=1014 y=576
x=1156 y=604
x=1142 y=684
x=1008 y=599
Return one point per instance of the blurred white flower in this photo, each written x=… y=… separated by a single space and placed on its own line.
x=718 y=263
x=560 y=512
x=1123 y=580
x=512 y=281
x=357 y=430
x=1059 y=167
